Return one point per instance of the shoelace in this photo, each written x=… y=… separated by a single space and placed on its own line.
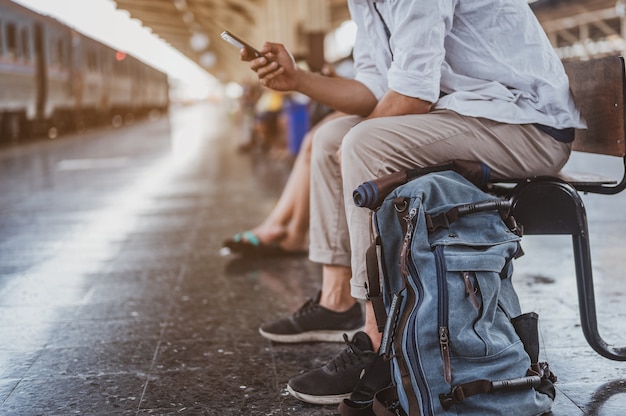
x=347 y=357
x=308 y=307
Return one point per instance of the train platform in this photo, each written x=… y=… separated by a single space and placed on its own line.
x=115 y=300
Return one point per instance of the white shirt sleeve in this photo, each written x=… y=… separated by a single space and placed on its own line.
x=420 y=28
x=365 y=65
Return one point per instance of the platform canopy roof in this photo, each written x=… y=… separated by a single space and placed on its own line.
x=582 y=29
x=193 y=26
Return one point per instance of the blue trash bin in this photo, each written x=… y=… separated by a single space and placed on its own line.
x=297 y=123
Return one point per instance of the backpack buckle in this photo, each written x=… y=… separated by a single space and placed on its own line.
x=437 y=222
x=456 y=396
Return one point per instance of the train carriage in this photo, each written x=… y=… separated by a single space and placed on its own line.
x=54 y=79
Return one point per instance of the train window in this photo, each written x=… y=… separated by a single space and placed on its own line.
x=12 y=40
x=25 y=44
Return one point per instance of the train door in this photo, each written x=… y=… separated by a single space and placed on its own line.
x=41 y=76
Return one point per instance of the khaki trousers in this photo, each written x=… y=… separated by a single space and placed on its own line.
x=340 y=231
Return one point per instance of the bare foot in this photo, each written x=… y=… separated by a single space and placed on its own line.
x=268 y=233
x=292 y=242
x=276 y=234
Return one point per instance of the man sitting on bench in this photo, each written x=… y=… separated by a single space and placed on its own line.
x=436 y=81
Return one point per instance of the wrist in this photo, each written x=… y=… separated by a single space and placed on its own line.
x=303 y=81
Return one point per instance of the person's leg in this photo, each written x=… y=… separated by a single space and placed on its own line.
x=330 y=246
x=334 y=311
x=335 y=293
x=292 y=207
x=329 y=240
x=329 y=243
x=288 y=222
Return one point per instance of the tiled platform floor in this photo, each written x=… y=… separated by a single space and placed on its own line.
x=115 y=301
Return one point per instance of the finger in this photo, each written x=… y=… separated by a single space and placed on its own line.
x=258 y=63
x=244 y=55
x=268 y=69
x=270 y=48
x=271 y=76
x=273 y=51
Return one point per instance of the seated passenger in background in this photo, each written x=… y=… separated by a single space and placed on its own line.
x=285 y=231
x=267 y=127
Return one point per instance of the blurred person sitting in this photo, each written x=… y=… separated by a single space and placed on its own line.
x=284 y=231
x=268 y=130
x=249 y=98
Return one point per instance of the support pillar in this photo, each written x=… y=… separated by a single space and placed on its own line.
x=315 y=57
x=316 y=25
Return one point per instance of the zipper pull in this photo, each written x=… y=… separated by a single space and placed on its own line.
x=470 y=290
x=390 y=327
x=444 y=344
x=406 y=243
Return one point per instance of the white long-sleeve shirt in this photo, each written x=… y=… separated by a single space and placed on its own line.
x=490 y=58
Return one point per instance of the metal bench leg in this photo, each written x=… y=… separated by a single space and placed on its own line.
x=587 y=302
x=550 y=206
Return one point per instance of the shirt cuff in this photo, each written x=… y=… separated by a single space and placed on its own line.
x=415 y=84
x=374 y=83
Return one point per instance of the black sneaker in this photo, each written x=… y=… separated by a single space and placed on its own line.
x=313 y=322
x=336 y=380
x=376 y=377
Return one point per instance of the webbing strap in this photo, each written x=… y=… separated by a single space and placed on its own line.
x=350 y=408
x=386 y=403
x=459 y=393
x=374 y=294
x=462 y=391
x=436 y=222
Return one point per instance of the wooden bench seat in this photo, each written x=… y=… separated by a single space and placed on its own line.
x=598 y=87
x=582 y=179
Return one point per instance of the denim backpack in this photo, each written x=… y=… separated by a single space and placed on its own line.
x=451 y=320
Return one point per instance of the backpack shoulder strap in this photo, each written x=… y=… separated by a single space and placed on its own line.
x=374 y=294
x=386 y=402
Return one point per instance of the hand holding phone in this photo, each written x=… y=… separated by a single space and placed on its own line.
x=234 y=40
x=270 y=71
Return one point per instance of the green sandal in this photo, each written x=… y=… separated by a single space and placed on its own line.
x=247 y=244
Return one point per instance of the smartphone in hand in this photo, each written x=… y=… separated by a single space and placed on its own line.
x=240 y=44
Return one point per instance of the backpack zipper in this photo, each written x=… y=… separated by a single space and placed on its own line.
x=470 y=289
x=413 y=353
x=407 y=268
x=444 y=333
x=406 y=242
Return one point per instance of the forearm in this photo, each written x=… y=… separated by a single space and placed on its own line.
x=346 y=95
x=277 y=70
x=396 y=104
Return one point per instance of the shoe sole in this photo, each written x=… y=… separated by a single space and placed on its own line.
x=311 y=336
x=323 y=400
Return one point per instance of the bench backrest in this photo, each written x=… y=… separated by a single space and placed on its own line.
x=598 y=88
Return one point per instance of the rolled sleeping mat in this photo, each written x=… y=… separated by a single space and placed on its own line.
x=372 y=193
